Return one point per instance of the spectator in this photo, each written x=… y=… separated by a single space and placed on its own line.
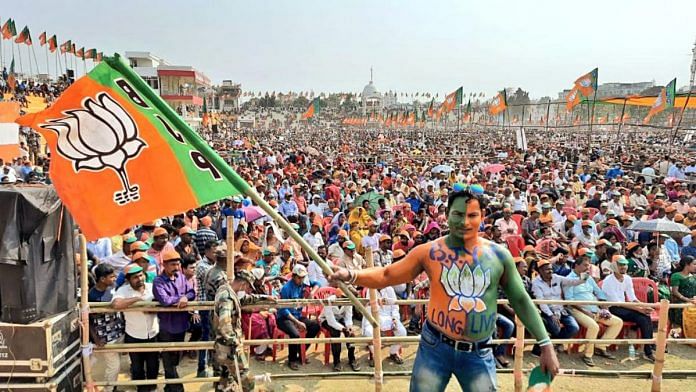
x=106 y=328
x=141 y=327
x=171 y=289
x=618 y=287
x=339 y=320
x=389 y=320
x=590 y=316
x=290 y=320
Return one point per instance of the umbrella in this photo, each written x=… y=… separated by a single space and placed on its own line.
x=373 y=197
x=442 y=169
x=252 y=213
x=660 y=226
x=494 y=168
x=311 y=150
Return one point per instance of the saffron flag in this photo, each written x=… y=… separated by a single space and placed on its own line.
x=664 y=100
x=312 y=109
x=122 y=156
x=24 y=37
x=431 y=111
x=499 y=103
x=8 y=29
x=587 y=83
x=573 y=98
x=11 y=78
x=42 y=39
x=80 y=53
x=452 y=100
x=53 y=43
x=66 y=47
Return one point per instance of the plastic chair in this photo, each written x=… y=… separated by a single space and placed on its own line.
x=324 y=293
x=642 y=287
x=515 y=244
x=518 y=219
x=279 y=334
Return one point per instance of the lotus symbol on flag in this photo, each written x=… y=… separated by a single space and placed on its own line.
x=100 y=136
x=465 y=287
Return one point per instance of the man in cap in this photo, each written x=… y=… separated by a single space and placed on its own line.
x=233 y=208
x=290 y=320
x=618 y=287
x=206 y=263
x=160 y=245
x=351 y=259
x=557 y=213
x=370 y=241
x=171 y=289
x=141 y=327
x=186 y=246
x=205 y=233
x=121 y=258
x=530 y=225
x=313 y=236
x=231 y=363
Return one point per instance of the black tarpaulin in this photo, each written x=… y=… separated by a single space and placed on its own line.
x=37 y=269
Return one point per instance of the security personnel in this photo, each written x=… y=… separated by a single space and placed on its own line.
x=230 y=360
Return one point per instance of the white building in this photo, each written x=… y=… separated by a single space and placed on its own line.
x=145 y=64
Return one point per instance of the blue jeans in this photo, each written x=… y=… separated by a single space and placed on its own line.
x=507 y=327
x=437 y=361
x=569 y=329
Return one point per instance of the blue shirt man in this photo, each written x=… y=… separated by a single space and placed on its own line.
x=288 y=207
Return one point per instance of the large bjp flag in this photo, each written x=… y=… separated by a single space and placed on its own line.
x=121 y=156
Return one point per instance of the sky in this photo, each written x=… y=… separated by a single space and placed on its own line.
x=413 y=46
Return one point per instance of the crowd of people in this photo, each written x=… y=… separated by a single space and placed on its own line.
x=565 y=216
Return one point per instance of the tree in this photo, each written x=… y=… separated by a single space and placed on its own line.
x=300 y=102
x=519 y=97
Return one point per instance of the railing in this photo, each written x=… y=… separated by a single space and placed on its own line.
x=519 y=341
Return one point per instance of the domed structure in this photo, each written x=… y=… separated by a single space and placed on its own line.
x=370 y=99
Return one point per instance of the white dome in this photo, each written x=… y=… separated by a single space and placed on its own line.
x=370 y=92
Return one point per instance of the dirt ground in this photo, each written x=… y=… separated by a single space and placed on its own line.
x=680 y=357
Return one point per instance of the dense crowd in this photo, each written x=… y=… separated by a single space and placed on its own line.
x=562 y=209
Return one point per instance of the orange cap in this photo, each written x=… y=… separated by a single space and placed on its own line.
x=159 y=231
x=186 y=230
x=206 y=221
x=612 y=222
x=170 y=255
x=542 y=262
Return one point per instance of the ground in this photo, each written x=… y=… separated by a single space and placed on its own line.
x=680 y=357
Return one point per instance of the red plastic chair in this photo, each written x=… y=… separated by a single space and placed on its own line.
x=324 y=293
x=279 y=334
x=642 y=287
x=518 y=219
x=515 y=244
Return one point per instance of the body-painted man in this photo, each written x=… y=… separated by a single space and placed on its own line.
x=465 y=272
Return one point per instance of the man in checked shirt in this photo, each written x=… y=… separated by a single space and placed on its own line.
x=205 y=264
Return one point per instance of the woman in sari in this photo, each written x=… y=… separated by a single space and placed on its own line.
x=256 y=324
x=683 y=285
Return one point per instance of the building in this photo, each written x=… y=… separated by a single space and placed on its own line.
x=227 y=96
x=145 y=64
x=181 y=86
x=370 y=98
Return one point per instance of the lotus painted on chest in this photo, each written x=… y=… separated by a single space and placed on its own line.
x=99 y=137
x=465 y=287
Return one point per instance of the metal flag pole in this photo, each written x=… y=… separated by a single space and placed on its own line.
x=618 y=131
x=681 y=116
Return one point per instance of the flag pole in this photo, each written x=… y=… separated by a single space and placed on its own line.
x=548 y=114
x=38 y=70
x=681 y=116
x=589 y=132
x=618 y=131
x=230 y=175
x=48 y=65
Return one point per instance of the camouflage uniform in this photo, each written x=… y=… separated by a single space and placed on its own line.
x=227 y=325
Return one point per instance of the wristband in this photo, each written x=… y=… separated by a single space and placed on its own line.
x=544 y=342
x=353 y=276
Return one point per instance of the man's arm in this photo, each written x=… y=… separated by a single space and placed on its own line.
x=404 y=271
x=519 y=299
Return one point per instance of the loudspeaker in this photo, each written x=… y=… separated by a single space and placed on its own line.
x=37 y=266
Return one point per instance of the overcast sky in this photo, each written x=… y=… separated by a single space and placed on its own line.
x=414 y=46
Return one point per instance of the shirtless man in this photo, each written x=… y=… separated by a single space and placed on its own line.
x=465 y=272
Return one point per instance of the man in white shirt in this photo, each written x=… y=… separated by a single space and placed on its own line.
x=518 y=202
x=648 y=173
x=316 y=207
x=637 y=198
x=557 y=213
x=615 y=204
x=619 y=288
x=370 y=242
x=313 y=236
x=337 y=320
x=507 y=225
x=315 y=272
x=389 y=320
x=141 y=327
